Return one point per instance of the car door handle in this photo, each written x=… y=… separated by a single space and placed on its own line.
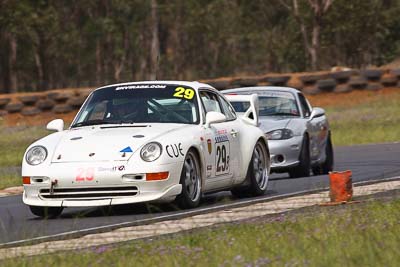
x=234 y=133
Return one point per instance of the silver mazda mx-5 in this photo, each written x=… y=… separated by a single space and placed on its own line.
x=299 y=136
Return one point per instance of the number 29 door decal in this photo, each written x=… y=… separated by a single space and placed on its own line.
x=222 y=150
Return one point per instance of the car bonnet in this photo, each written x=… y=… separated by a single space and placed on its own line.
x=268 y=124
x=107 y=143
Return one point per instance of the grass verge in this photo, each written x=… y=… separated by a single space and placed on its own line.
x=356 y=121
x=366 y=234
x=15 y=140
x=13 y=143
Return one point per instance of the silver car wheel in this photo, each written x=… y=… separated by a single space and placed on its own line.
x=259 y=166
x=192 y=177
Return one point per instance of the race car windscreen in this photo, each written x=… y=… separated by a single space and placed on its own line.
x=140 y=103
x=271 y=103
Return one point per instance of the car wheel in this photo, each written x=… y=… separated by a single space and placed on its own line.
x=327 y=166
x=257 y=174
x=46 y=212
x=190 y=181
x=303 y=169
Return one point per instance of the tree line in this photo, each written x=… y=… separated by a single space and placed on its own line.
x=48 y=44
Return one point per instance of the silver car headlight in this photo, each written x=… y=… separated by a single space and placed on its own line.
x=36 y=155
x=280 y=134
x=151 y=151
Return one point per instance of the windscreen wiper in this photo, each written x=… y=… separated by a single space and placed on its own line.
x=93 y=122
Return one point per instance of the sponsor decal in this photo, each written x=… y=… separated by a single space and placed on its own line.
x=209 y=146
x=140 y=86
x=224 y=131
x=222 y=154
x=111 y=169
x=84 y=174
x=221 y=138
x=127 y=149
x=287 y=95
x=186 y=93
x=174 y=150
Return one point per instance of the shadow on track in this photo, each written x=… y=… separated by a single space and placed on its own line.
x=208 y=200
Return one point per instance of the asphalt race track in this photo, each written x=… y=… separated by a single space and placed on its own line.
x=367 y=162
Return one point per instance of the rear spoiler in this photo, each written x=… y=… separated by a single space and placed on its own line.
x=251 y=115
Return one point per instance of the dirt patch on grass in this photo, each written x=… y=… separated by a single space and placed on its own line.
x=352 y=98
x=41 y=119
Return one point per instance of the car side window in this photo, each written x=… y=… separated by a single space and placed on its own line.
x=229 y=112
x=305 y=107
x=210 y=102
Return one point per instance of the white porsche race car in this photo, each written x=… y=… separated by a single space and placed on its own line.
x=146 y=141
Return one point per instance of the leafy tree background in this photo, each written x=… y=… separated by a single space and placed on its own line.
x=47 y=44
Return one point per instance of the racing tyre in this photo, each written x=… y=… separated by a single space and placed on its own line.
x=257 y=174
x=327 y=166
x=190 y=181
x=303 y=169
x=46 y=212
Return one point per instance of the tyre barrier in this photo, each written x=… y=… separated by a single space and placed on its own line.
x=55 y=101
x=341 y=81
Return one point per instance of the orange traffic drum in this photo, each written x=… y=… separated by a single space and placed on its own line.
x=341 y=187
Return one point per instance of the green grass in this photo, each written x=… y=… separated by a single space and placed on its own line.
x=375 y=122
x=10 y=181
x=15 y=140
x=13 y=143
x=358 y=235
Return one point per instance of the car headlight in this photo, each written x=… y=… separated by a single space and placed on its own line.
x=36 y=155
x=280 y=134
x=151 y=151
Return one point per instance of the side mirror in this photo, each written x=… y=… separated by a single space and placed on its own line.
x=317 y=112
x=55 y=125
x=214 y=117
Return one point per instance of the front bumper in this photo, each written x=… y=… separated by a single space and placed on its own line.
x=109 y=185
x=285 y=153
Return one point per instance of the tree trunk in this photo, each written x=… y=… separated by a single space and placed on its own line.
x=13 y=64
x=39 y=69
x=319 y=9
x=155 y=46
x=99 y=66
x=120 y=63
x=143 y=65
x=4 y=64
x=175 y=48
x=315 y=45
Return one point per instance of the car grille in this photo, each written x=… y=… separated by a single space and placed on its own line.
x=89 y=192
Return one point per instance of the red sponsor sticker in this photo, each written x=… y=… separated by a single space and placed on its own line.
x=224 y=131
x=84 y=174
